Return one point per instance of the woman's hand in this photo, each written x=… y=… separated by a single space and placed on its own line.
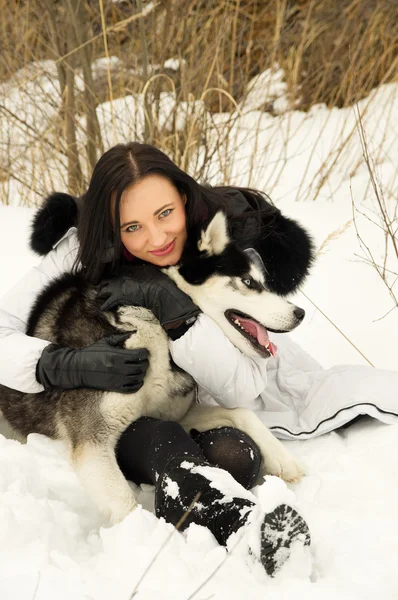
x=105 y=365
x=147 y=286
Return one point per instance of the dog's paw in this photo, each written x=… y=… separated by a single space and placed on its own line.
x=292 y=471
x=283 y=465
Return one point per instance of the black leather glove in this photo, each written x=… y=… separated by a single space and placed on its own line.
x=102 y=366
x=147 y=286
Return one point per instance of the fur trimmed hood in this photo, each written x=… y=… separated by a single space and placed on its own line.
x=53 y=219
x=283 y=244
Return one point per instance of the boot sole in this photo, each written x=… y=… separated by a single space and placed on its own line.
x=279 y=530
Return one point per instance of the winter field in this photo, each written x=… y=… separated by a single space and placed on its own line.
x=53 y=544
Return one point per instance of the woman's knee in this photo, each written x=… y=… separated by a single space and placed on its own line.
x=232 y=450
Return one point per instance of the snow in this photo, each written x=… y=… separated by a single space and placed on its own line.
x=174 y=64
x=52 y=541
x=50 y=530
x=171 y=488
x=220 y=480
x=267 y=89
x=101 y=65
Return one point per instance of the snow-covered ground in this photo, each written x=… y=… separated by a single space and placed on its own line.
x=53 y=544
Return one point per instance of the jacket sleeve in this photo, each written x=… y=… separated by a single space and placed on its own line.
x=224 y=373
x=19 y=353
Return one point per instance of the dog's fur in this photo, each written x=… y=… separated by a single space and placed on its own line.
x=223 y=281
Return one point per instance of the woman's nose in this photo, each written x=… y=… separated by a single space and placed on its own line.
x=157 y=238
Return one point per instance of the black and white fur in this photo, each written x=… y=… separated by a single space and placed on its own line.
x=220 y=278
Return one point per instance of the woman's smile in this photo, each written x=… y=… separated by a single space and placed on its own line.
x=165 y=250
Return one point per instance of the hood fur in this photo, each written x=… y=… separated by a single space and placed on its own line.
x=287 y=252
x=57 y=214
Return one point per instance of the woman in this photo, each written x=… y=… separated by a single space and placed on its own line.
x=140 y=207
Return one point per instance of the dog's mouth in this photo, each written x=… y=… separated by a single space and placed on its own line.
x=253 y=331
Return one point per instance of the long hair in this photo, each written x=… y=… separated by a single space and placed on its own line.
x=121 y=167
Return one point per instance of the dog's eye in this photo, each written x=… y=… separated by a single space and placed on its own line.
x=248 y=282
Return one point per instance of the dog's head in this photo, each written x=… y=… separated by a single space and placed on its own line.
x=230 y=285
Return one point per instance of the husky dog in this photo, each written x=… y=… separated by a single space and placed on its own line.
x=229 y=285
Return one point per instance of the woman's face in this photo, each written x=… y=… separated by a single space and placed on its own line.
x=153 y=221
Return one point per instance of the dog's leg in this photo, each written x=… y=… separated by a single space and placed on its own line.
x=276 y=459
x=99 y=472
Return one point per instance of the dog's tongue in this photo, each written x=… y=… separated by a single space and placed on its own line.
x=260 y=333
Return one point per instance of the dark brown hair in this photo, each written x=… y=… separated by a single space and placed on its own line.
x=121 y=167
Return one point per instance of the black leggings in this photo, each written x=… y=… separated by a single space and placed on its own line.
x=148 y=444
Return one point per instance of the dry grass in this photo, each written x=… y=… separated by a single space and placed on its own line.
x=323 y=47
x=387 y=222
x=334 y=235
x=319 y=44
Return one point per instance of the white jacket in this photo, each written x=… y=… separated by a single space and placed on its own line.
x=220 y=370
x=300 y=400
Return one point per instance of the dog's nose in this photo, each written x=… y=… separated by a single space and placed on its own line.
x=299 y=313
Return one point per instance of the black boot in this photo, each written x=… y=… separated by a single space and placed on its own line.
x=191 y=491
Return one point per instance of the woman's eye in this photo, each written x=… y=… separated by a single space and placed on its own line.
x=166 y=212
x=132 y=228
x=248 y=282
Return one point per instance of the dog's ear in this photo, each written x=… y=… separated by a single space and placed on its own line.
x=215 y=238
x=53 y=219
